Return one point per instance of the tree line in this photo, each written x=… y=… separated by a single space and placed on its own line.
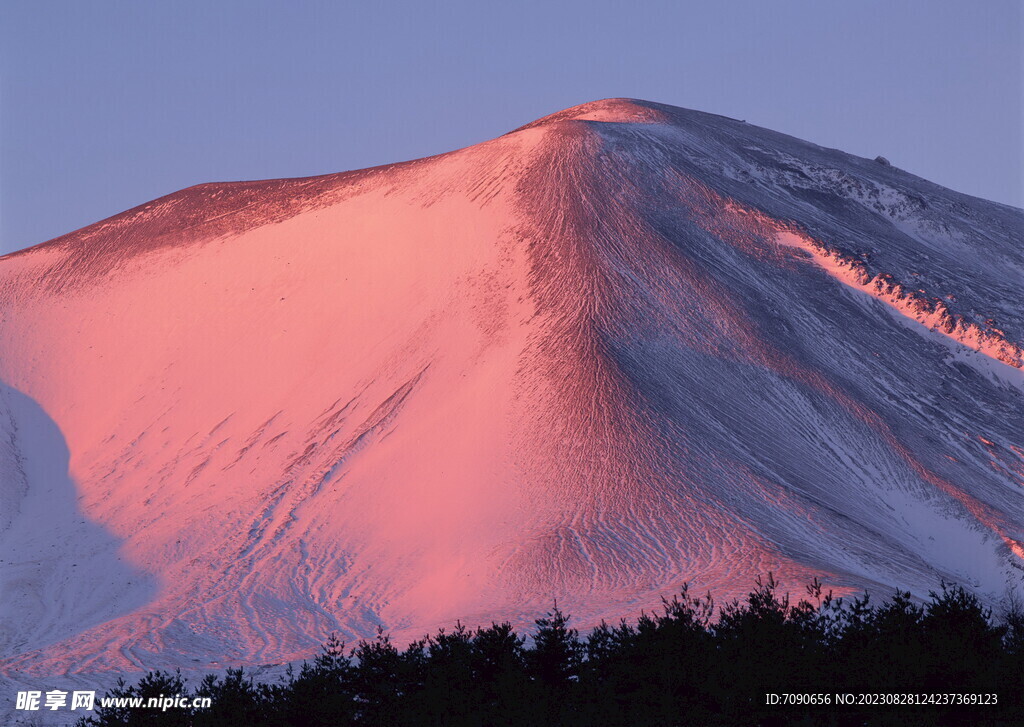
x=678 y=666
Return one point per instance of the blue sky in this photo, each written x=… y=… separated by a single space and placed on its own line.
x=105 y=105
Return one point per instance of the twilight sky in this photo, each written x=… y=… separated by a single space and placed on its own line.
x=105 y=105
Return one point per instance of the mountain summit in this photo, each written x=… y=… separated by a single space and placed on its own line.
x=622 y=347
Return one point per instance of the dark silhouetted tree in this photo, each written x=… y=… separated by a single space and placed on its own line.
x=553 y=665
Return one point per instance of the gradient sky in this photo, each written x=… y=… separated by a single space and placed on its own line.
x=105 y=105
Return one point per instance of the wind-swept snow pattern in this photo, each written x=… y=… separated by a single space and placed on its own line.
x=620 y=348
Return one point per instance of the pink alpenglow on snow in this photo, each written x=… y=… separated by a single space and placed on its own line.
x=621 y=348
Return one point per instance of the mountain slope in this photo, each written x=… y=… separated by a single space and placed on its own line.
x=624 y=346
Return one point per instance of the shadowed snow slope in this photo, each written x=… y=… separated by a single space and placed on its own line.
x=623 y=347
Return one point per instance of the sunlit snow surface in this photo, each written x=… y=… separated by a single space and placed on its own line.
x=623 y=347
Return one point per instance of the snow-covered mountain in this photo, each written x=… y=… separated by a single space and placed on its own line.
x=622 y=347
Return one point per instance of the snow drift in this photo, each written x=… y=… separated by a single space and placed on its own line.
x=623 y=347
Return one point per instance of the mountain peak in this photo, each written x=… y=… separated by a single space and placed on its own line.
x=609 y=110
